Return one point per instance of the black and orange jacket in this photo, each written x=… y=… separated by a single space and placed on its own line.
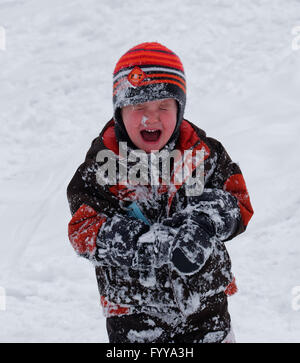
x=124 y=290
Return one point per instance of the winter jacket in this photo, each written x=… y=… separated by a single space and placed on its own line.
x=125 y=290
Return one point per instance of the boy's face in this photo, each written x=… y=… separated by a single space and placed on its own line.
x=151 y=124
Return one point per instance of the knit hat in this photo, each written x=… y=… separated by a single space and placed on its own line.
x=147 y=72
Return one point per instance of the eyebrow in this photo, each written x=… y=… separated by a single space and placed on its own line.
x=166 y=102
x=163 y=103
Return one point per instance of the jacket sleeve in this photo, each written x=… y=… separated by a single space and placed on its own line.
x=90 y=206
x=227 y=176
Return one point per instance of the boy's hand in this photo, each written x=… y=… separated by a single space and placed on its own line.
x=154 y=247
x=222 y=209
x=214 y=213
x=118 y=240
x=192 y=244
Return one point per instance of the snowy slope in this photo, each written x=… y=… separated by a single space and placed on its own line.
x=55 y=95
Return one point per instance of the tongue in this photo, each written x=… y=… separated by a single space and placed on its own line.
x=150 y=136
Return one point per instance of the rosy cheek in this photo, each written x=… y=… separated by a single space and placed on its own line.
x=137 y=118
x=168 y=122
x=133 y=123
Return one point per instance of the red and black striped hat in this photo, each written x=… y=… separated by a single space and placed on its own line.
x=147 y=72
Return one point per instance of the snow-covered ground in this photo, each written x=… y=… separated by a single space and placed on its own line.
x=55 y=96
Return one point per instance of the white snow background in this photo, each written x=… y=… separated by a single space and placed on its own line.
x=243 y=80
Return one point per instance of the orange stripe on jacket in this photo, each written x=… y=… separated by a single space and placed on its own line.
x=236 y=185
x=231 y=289
x=83 y=229
x=111 y=309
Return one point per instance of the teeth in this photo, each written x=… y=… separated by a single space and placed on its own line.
x=151 y=130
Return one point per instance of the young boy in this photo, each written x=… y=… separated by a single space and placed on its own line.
x=162 y=268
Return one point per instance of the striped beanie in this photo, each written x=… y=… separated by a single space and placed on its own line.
x=147 y=72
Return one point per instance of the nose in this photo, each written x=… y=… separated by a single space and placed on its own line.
x=151 y=117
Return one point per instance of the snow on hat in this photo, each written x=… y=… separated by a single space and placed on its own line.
x=147 y=72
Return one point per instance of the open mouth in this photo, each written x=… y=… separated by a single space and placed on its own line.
x=151 y=135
